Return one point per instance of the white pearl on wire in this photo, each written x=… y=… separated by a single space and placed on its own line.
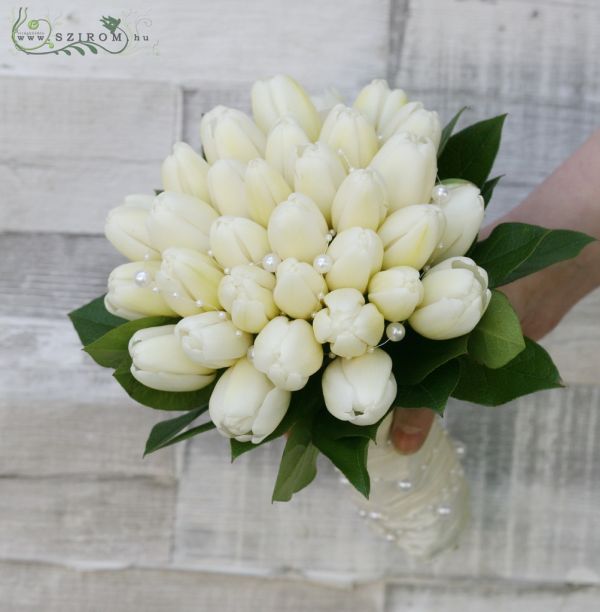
x=323 y=263
x=270 y=262
x=142 y=278
x=250 y=353
x=440 y=194
x=395 y=331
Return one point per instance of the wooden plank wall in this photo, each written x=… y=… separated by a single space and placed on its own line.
x=85 y=523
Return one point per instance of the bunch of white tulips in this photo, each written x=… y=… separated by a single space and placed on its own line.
x=292 y=236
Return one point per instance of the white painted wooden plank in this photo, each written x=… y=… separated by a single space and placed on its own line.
x=94 y=520
x=534 y=503
x=232 y=41
x=72 y=149
x=33 y=587
x=485 y=596
x=530 y=59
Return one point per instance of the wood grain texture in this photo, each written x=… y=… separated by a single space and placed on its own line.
x=321 y=43
x=69 y=153
x=533 y=503
x=35 y=587
x=94 y=520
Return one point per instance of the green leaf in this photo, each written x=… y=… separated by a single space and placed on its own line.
x=158 y=191
x=111 y=349
x=190 y=433
x=161 y=400
x=488 y=188
x=497 y=338
x=432 y=392
x=162 y=433
x=415 y=357
x=349 y=455
x=448 y=129
x=531 y=370
x=298 y=466
x=93 y=321
x=514 y=250
x=470 y=153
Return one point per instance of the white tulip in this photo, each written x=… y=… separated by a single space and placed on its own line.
x=235 y=241
x=245 y=404
x=158 y=361
x=396 y=292
x=281 y=96
x=265 y=188
x=287 y=352
x=360 y=390
x=298 y=229
x=411 y=235
x=180 y=220
x=131 y=292
x=227 y=133
x=348 y=131
x=408 y=166
x=348 y=324
x=360 y=201
x=188 y=281
x=379 y=103
x=417 y=120
x=455 y=298
x=299 y=289
x=246 y=293
x=184 y=171
x=318 y=174
x=283 y=144
x=212 y=340
x=227 y=188
x=463 y=208
x=356 y=254
x=126 y=230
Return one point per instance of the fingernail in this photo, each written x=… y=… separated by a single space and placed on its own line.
x=407 y=439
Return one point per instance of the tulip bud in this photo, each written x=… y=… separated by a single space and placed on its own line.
x=246 y=293
x=360 y=390
x=357 y=254
x=245 y=404
x=126 y=230
x=158 y=362
x=411 y=235
x=283 y=143
x=265 y=188
x=180 y=220
x=408 y=166
x=463 y=208
x=319 y=172
x=188 y=281
x=235 y=241
x=380 y=104
x=227 y=133
x=281 y=96
x=298 y=229
x=396 y=292
x=348 y=324
x=455 y=298
x=287 y=352
x=360 y=201
x=227 y=188
x=211 y=340
x=184 y=171
x=132 y=293
x=299 y=289
x=417 y=120
x=349 y=131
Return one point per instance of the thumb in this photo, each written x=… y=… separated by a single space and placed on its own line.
x=410 y=428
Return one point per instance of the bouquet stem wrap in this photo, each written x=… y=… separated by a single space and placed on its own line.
x=419 y=501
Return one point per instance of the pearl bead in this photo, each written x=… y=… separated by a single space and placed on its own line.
x=142 y=278
x=155 y=289
x=405 y=485
x=390 y=537
x=226 y=270
x=270 y=262
x=238 y=333
x=250 y=353
x=395 y=332
x=343 y=480
x=323 y=263
x=440 y=194
x=362 y=513
x=222 y=315
x=461 y=449
x=209 y=253
x=444 y=510
x=375 y=516
x=199 y=303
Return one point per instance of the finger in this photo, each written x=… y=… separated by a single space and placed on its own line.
x=410 y=428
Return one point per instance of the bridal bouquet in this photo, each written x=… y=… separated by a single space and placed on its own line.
x=313 y=267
